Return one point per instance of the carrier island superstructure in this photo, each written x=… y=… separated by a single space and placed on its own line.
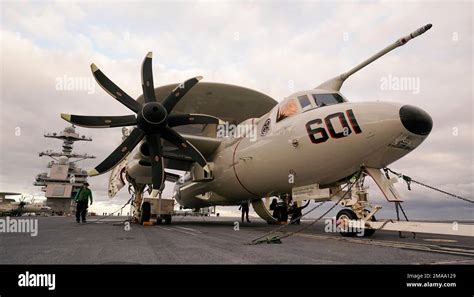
x=64 y=178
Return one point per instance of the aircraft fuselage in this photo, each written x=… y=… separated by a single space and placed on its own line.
x=324 y=145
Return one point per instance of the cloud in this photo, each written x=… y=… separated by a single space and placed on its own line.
x=260 y=45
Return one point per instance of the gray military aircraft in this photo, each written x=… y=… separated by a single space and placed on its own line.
x=236 y=144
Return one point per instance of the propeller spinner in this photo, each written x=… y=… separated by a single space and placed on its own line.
x=153 y=121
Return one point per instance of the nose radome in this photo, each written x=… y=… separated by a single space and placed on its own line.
x=416 y=120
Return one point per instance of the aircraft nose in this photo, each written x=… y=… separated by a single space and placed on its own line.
x=416 y=120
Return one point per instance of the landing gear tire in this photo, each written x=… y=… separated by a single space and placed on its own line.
x=342 y=218
x=146 y=212
x=347 y=215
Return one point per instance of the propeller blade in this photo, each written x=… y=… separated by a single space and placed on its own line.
x=156 y=158
x=179 y=92
x=113 y=89
x=187 y=119
x=185 y=146
x=147 y=79
x=119 y=153
x=100 y=121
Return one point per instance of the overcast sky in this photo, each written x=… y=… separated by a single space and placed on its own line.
x=274 y=47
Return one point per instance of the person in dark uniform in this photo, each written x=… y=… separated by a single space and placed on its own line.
x=296 y=213
x=245 y=210
x=273 y=204
x=280 y=211
x=82 y=202
x=284 y=207
x=274 y=207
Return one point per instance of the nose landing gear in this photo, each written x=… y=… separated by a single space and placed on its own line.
x=351 y=220
x=345 y=223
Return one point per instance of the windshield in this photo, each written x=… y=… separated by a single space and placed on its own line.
x=287 y=109
x=327 y=99
x=295 y=105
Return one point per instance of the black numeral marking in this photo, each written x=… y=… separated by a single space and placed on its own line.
x=319 y=134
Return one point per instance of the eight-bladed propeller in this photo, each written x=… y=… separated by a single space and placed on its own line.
x=153 y=122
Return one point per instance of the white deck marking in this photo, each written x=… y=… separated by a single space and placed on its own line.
x=167 y=229
x=189 y=229
x=185 y=232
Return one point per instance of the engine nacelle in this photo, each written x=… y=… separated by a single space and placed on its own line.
x=143 y=152
x=191 y=194
x=140 y=171
x=139 y=168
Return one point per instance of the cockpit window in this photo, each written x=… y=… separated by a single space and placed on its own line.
x=304 y=102
x=327 y=99
x=287 y=109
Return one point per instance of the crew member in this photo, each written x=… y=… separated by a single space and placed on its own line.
x=274 y=207
x=296 y=213
x=283 y=207
x=82 y=202
x=245 y=210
